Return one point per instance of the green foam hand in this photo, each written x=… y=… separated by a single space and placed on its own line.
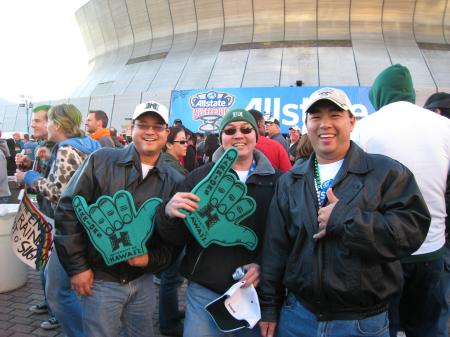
x=114 y=227
x=223 y=204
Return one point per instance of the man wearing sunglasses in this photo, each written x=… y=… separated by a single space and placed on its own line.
x=210 y=269
x=122 y=294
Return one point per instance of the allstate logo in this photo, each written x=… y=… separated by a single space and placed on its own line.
x=209 y=107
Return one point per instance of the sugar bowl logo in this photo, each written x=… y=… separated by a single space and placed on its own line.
x=209 y=107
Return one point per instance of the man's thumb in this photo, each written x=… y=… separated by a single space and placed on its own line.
x=331 y=197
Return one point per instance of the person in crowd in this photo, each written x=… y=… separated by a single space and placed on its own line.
x=417 y=309
x=440 y=104
x=273 y=131
x=118 y=141
x=273 y=150
x=71 y=149
x=190 y=161
x=294 y=136
x=200 y=148
x=39 y=121
x=29 y=146
x=169 y=316
x=18 y=142
x=119 y=296
x=211 y=145
x=175 y=149
x=11 y=163
x=337 y=226
x=96 y=125
x=177 y=122
x=5 y=193
x=210 y=269
x=304 y=148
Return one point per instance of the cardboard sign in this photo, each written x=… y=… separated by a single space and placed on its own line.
x=32 y=235
x=114 y=227
x=223 y=204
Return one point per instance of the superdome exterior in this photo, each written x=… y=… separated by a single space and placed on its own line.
x=143 y=49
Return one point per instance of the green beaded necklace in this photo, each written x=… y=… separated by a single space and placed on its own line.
x=318 y=183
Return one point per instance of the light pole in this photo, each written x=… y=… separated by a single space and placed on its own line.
x=26 y=102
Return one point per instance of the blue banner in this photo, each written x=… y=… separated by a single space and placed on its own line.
x=201 y=110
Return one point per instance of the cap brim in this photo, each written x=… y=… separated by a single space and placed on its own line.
x=339 y=105
x=223 y=319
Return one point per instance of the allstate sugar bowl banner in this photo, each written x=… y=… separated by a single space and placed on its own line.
x=201 y=110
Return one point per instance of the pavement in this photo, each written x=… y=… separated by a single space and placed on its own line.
x=17 y=321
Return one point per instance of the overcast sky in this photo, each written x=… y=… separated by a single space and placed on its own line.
x=42 y=51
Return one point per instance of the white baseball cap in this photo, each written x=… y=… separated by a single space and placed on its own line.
x=238 y=308
x=334 y=95
x=151 y=106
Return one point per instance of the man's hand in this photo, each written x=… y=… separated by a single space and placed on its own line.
x=252 y=274
x=267 y=328
x=186 y=201
x=324 y=214
x=222 y=204
x=139 y=261
x=23 y=161
x=83 y=282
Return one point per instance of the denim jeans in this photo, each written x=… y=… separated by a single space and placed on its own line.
x=62 y=299
x=297 y=321
x=445 y=284
x=168 y=298
x=113 y=307
x=198 y=322
x=417 y=309
x=43 y=277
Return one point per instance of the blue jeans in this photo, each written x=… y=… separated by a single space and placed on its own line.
x=297 y=321
x=62 y=298
x=43 y=277
x=417 y=309
x=113 y=307
x=198 y=322
x=168 y=298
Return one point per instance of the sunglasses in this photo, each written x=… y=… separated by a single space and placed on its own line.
x=182 y=142
x=232 y=131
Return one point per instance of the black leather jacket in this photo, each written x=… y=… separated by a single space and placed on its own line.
x=354 y=270
x=105 y=172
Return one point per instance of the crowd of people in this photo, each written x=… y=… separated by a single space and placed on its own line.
x=347 y=237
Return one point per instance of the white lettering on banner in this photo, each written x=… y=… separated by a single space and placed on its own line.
x=273 y=110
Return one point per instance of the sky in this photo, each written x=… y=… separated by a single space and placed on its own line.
x=42 y=56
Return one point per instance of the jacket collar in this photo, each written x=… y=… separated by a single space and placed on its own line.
x=263 y=165
x=355 y=161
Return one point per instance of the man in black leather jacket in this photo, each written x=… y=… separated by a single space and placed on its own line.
x=123 y=292
x=338 y=224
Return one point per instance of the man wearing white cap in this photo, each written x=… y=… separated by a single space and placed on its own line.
x=120 y=294
x=339 y=222
x=294 y=137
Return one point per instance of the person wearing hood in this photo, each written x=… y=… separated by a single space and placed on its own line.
x=209 y=270
x=393 y=131
x=70 y=151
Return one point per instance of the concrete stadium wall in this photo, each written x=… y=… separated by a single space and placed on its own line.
x=143 y=49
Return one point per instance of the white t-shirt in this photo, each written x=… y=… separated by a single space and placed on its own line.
x=145 y=169
x=242 y=175
x=327 y=174
x=420 y=140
